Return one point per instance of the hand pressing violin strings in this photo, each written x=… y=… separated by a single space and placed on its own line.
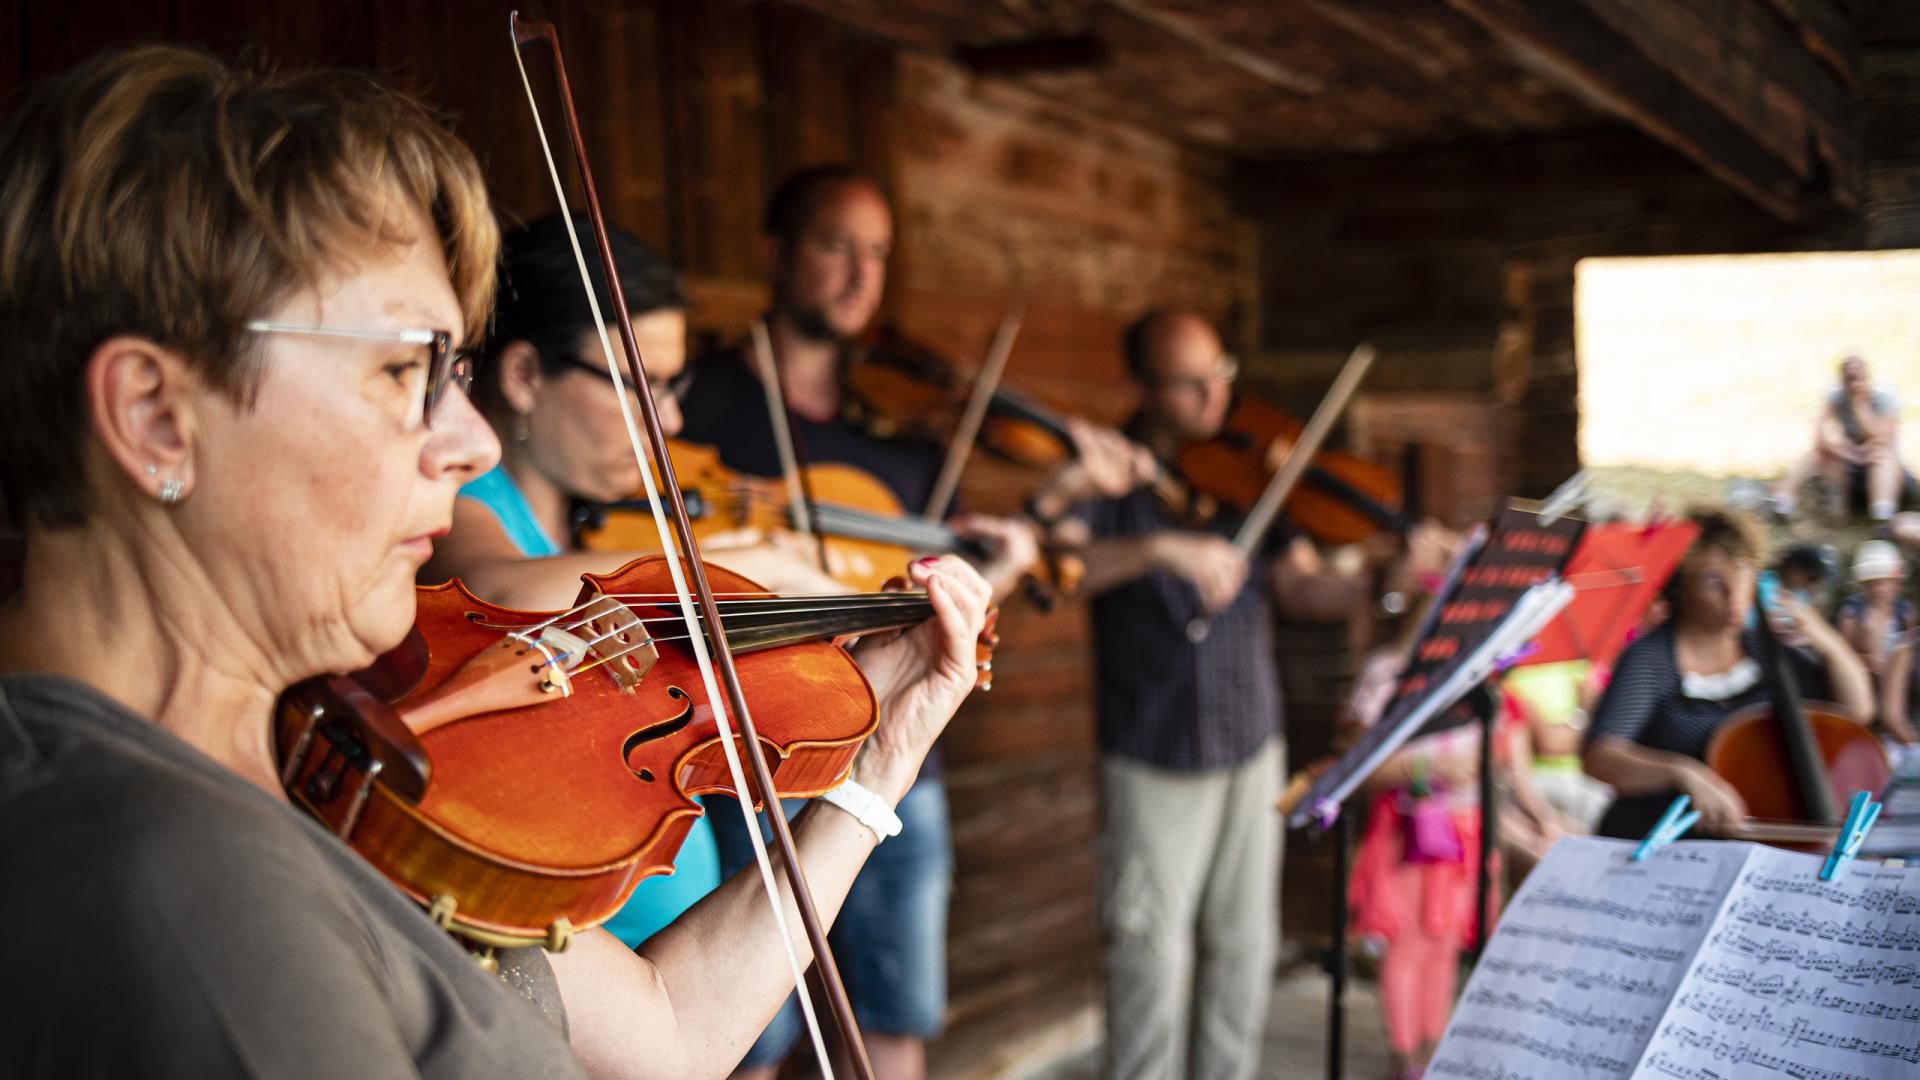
x=1011 y=547
x=921 y=675
x=1106 y=464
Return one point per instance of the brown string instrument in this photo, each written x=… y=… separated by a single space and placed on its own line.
x=898 y=387
x=1790 y=759
x=519 y=773
x=1342 y=498
x=866 y=533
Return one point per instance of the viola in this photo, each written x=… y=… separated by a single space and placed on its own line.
x=519 y=773
x=1342 y=498
x=1789 y=759
x=862 y=525
x=899 y=388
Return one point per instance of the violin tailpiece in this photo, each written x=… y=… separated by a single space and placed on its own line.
x=533 y=665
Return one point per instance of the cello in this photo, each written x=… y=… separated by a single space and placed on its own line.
x=1788 y=759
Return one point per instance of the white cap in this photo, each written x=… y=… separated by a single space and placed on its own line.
x=1877 y=559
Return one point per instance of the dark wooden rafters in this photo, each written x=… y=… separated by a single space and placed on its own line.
x=1758 y=93
x=1759 y=100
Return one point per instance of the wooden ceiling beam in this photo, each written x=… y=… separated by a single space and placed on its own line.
x=1727 y=85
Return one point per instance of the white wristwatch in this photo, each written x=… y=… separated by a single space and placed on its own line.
x=869 y=809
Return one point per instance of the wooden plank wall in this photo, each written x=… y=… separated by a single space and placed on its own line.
x=1005 y=195
x=692 y=110
x=1890 y=99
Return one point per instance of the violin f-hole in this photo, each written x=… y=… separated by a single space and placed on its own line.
x=655 y=732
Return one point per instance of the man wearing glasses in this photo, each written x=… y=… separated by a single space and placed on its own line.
x=1189 y=733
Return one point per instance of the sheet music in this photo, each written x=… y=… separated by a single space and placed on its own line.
x=1583 y=964
x=1709 y=961
x=1802 y=978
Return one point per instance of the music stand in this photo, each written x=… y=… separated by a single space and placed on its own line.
x=1502 y=589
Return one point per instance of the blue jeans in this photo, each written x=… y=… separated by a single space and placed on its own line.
x=891 y=937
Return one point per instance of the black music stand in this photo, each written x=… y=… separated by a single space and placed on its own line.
x=1501 y=590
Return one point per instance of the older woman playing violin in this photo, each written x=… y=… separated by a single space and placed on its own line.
x=233 y=428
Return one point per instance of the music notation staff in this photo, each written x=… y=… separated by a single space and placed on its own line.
x=1709 y=961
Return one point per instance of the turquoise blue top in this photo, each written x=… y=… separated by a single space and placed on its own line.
x=658 y=900
x=496 y=491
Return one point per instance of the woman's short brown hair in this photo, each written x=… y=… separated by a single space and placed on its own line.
x=162 y=192
x=1736 y=535
x=1731 y=533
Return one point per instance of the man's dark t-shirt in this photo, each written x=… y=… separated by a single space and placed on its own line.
x=173 y=920
x=725 y=407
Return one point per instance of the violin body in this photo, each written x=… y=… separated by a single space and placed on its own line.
x=1750 y=753
x=1343 y=498
x=897 y=388
x=854 y=506
x=547 y=804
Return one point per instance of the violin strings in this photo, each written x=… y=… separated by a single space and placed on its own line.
x=750 y=604
x=651 y=639
x=827 y=603
x=875 y=602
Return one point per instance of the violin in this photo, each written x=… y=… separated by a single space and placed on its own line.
x=1788 y=759
x=860 y=522
x=518 y=773
x=867 y=535
x=1342 y=498
x=899 y=388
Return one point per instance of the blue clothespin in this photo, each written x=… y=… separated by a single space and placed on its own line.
x=1860 y=817
x=1672 y=826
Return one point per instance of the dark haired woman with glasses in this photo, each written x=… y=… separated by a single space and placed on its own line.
x=543 y=384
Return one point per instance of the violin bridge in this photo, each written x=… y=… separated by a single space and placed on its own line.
x=531 y=665
x=618 y=640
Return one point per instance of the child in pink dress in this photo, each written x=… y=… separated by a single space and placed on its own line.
x=1414 y=879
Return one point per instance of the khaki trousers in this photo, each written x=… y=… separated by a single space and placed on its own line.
x=1189 y=900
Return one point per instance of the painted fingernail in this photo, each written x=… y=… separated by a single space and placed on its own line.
x=927 y=561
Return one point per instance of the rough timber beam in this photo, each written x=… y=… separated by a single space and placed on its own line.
x=1754 y=98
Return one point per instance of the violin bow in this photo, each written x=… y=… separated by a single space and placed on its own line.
x=700 y=594
x=1298 y=460
x=967 y=431
x=799 y=492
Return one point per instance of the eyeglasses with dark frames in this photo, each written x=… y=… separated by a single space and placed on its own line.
x=662 y=388
x=445 y=366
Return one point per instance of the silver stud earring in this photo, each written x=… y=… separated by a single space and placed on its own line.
x=520 y=428
x=170 y=491
x=152 y=469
